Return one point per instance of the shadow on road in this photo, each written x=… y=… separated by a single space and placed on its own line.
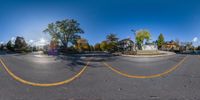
x=11 y=52
x=78 y=60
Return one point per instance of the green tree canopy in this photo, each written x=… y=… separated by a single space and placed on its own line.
x=65 y=30
x=111 y=42
x=103 y=46
x=20 y=43
x=112 y=37
x=161 y=40
x=112 y=46
x=53 y=31
x=10 y=46
x=142 y=35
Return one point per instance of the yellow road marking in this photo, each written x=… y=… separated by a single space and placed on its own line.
x=146 y=76
x=43 y=84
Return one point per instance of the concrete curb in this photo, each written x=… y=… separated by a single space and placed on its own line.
x=150 y=56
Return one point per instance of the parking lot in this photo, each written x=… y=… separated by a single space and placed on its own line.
x=99 y=77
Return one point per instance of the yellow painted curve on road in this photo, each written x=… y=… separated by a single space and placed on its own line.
x=43 y=84
x=145 y=76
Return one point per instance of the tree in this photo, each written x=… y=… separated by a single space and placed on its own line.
x=142 y=35
x=112 y=46
x=160 y=41
x=91 y=48
x=53 y=31
x=10 y=46
x=65 y=30
x=103 y=46
x=198 y=48
x=53 y=44
x=189 y=45
x=74 y=39
x=112 y=37
x=1 y=47
x=112 y=42
x=97 y=47
x=82 y=45
x=177 y=41
x=20 y=44
x=68 y=28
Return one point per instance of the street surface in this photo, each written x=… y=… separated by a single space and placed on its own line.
x=180 y=81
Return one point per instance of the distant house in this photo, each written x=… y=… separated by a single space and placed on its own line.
x=126 y=45
x=149 y=46
x=170 y=46
x=186 y=47
x=41 y=44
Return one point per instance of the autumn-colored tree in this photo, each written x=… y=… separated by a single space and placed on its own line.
x=97 y=47
x=82 y=45
x=54 y=44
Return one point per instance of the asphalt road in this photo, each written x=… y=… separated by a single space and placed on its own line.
x=99 y=82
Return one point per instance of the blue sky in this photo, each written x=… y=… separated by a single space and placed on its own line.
x=176 y=19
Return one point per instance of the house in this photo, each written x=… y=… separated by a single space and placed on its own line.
x=186 y=47
x=126 y=45
x=42 y=44
x=170 y=46
x=149 y=46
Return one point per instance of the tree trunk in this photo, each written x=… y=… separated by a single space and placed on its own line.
x=66 y=44
x=65 y=41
